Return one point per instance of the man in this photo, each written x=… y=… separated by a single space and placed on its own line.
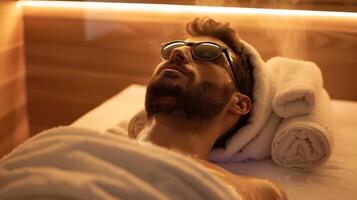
x=199 y=94
x=196 y=96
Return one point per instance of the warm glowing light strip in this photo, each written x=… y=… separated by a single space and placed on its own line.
x=169 y=8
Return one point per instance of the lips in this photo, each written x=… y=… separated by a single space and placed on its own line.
x=181 y=69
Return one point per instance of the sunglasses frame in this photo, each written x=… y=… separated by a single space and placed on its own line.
x=223 y=49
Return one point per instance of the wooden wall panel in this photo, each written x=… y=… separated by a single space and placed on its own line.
x=326 y=5
x=78 y=58
x=13 y=110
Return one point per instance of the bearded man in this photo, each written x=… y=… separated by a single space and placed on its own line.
x=199 y=95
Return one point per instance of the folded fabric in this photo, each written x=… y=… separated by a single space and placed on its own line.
x=263 y=91
x=298 y=84
x=304 y=142
x=76 y=163
x=260 y=147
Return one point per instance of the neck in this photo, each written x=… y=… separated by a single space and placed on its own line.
x=187 y=137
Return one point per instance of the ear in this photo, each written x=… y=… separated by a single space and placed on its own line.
x=240 y=104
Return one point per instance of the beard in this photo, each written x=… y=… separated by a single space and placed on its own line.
x=173 y=94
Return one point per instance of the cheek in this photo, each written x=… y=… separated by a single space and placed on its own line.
x=214 y=74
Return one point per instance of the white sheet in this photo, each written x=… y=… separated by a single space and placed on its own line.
x=336 y=179
x=82 y=164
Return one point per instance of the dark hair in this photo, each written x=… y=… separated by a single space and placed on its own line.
x=205 y=26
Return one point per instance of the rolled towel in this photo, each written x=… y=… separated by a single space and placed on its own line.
x=137 y=123
x=298 y=84
x=120 y=129
x=130 y=127
x=304 y=142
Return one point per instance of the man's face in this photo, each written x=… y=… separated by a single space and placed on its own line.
x=183 y=86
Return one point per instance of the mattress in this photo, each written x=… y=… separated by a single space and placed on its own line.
x=336 y=179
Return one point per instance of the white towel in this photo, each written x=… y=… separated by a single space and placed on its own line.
x=131 y=126
x=306 y=141
x=137 y=123
x=76 y=163
x=259 y=147
x=263 y=91
x=298 y=85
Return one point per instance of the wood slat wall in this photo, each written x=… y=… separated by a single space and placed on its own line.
x=78 y=58
x=14 y=127
x=325 y=5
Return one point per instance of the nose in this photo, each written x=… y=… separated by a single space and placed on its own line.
x=179 y=56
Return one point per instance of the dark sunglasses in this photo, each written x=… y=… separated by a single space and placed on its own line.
x=204 y=51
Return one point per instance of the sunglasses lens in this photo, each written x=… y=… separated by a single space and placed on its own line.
x=167 y=49
x=206 y=51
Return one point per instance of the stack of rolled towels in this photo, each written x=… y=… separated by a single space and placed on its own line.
x=291 y=117
x=304 y=138
x=291 y=120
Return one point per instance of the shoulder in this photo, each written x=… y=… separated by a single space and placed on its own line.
x=265 y=189
x=248 y=187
